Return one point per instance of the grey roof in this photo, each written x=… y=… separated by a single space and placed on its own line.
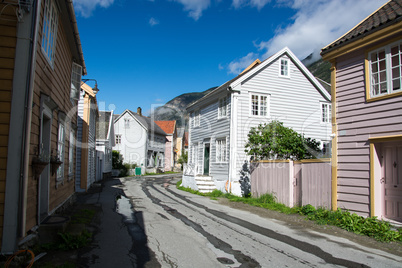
x=385 y=16
x=148 y=123
x=102 y=125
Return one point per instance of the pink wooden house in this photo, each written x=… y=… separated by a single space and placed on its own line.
x=171 y=136
x=367 y=115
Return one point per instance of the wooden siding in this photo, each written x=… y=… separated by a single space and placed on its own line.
x=293 y=183
x=357 y=121
x=293 y=101
x=211 y=128
x=8 y=34
x=55 y=82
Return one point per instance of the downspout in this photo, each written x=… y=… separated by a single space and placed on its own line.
x=28 y=117
x=231 y=140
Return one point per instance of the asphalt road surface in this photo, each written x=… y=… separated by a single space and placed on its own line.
x=162 y=226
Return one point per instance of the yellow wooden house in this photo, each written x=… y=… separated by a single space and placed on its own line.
x=41 y=64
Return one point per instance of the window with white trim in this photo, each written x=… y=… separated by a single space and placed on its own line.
x=75 y=81
x=197 y=118
x=221 y=150
x=71 y=153
x=223 y=107
x=284 y=68
x=259 y=105
x=118 y=139
x=126 y=123
x=385 y=70
x=326 y=112
x=61 y=150
x=49 y=33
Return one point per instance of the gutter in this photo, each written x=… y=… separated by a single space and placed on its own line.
x=28 y=117
x=74 y=24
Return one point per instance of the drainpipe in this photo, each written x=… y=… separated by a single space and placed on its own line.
x=28 y=116
x=232 y=160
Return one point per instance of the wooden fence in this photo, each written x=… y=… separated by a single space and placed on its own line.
x=295 y=183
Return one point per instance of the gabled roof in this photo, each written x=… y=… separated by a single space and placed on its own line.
x=103 y=125
x=255 y=67
x=88 y=89
x=147 y=123
x=167 y=126
x=390 y=13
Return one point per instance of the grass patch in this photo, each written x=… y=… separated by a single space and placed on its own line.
x=167 y=172
x=84 y=216
x=372 y=227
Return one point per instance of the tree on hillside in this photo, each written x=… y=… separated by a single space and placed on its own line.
x=275 y=141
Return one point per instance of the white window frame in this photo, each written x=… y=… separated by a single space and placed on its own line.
x=223 y=107
x=284 y=67
x=197 y=118
x=126 y=123
x=61 y=144
x=326 y=112
x=221 y=150
x=76 y=73
x=117 y=139
x=378 y=76
x=49 y=32
x=259 y=104
x=71 y=154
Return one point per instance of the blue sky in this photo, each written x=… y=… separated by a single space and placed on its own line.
x=146 y=52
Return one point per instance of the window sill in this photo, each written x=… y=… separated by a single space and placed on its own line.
x=383 y=97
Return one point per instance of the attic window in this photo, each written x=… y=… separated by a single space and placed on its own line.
x=284 y=68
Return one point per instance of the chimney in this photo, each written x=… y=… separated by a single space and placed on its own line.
x=139 y=111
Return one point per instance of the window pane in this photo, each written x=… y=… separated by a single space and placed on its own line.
x=396 y=84
x=374 y=68
x=382 y=65
x=381 y=55
x=254 y=105
x=383 y=76
x=395 y=60
x=383 y=88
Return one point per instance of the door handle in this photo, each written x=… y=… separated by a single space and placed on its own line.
x=382 y=180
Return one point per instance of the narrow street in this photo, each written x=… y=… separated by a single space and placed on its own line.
x=160 y=226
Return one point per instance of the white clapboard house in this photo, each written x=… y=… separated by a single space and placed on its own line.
x=279 y=88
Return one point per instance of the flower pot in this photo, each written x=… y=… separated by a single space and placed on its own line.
x=38 y=166
x=55 y=165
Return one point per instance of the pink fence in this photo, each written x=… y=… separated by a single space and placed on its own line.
x=293 y=183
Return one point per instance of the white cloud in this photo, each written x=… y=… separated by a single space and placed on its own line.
x=317 y=23
x=238 y=65
x=253 y=3
x=153 y=22
x=194 y=7
x=86 y=7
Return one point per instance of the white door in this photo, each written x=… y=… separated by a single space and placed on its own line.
x=392 y=176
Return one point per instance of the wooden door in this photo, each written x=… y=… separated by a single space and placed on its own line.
x=206 y=159
x=392 y=172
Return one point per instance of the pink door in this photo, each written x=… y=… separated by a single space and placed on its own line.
x=392 y=172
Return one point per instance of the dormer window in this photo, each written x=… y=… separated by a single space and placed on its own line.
x=284 y=68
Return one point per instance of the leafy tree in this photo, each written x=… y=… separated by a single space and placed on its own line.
x=183 y=158
x=275 y=141
x=117 y=163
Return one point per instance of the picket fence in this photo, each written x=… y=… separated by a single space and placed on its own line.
x=294 y=183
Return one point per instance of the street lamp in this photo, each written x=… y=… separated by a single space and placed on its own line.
x=95 y=89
